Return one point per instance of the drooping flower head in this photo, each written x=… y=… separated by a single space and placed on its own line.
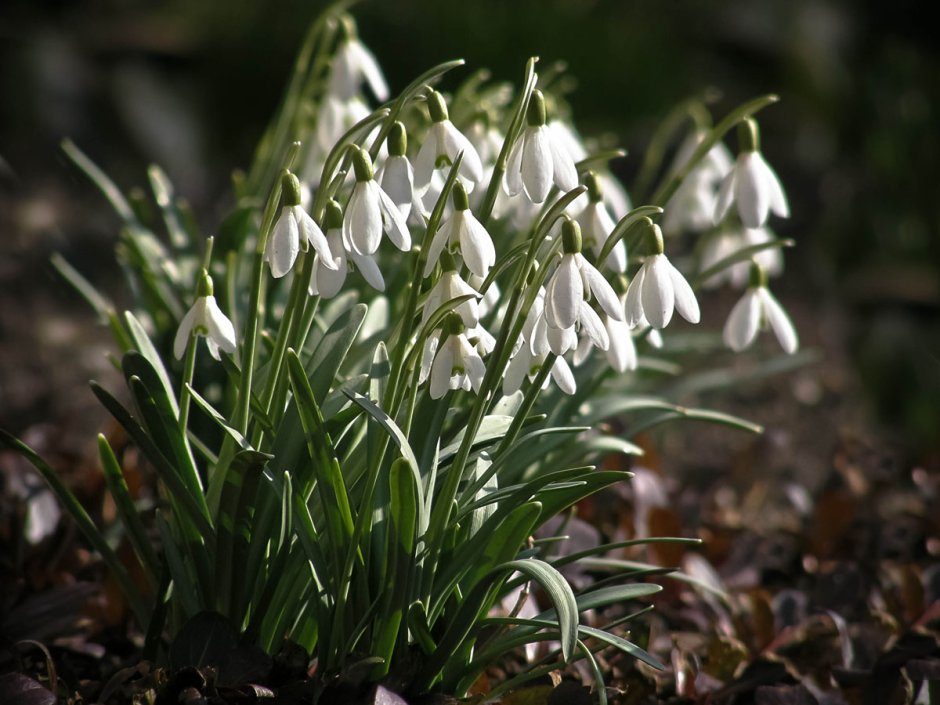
x=456 y=363
x=659 y=288
x=440 y=149
x=326 y=282
x=539 y=158
x=398 y=178
x=294 y=231
x=354 y=64
x=451 y=286
x=751 y=184
x=758 y=306
x=205 y=318
x=463 y=233
x=597 y=225
x=370 y=212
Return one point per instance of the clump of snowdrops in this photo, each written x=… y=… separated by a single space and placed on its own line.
x=417 y=318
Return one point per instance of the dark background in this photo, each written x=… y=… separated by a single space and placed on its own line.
x=190 y=85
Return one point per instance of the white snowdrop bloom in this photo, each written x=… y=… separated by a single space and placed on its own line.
x=463 y=233
x=354 y=64
x=527 y=364
x=728 y=242
x=398 y=178
x=751 y=184
x=456 y=364
x=294 y=231
x=572 y=281
x=716 y=163
x=336 y=115
x=481 y=339
x=692 y=206
x=597 y=225
x=370 y=212
x=757 y=306
x=621 y=353
x=441 y=146
x=568 y=137
x=771 y=259
x=448 y=287
x=490 y=299
x=538 y=158
x=205 y=318
x=659 y=288
x=486 y=139
x=326 y=282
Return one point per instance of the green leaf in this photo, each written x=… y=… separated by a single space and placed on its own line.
x=330 y=352
x=146 y=348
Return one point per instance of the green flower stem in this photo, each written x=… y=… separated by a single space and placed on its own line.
x=189 y=368
x=667 y=189
x=256 y=306
x=515 y=127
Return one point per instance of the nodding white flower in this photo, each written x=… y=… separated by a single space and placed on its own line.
x=336 y=115
x=464 y=233
x=327 y=282
x=448 y=287
x=353 y=64
x=756 y=306
x=441 y=146
x=205 y=318
x=692 y=206
x=575 y=277
x=726 y=243
x=485 y=138
x=525 y=363
x=370 y=212
x=621 y=353
x=597 y=225
x=398 y=177
x=456 y=364
x=658 y=288
x=294 y=231
x=490 y=299
x=538 y=158
x=751 y=184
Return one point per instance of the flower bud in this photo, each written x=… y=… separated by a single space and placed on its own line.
x=436 y=107
x=290 y=187
x=397 y=140
x=362 y=164
x=570 y=236
x=536 y=115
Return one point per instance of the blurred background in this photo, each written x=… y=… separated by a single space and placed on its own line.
x=191 y=85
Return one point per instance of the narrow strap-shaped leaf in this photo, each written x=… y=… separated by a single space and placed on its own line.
x=185 y=582
x=330 y=352
x=136 y=532
x=146 y=348
x=172 y=219
x=194 y=509
x=85 y=525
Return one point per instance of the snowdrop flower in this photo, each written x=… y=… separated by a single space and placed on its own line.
x=370 y=212
x=692 y=206
x=441 y=147
x=621 y=353
x=531 y=352
x=353 y=64
x=464 y=233
x=205 y=318
x=597 y=225
x=448 y=287
x=485 y=138
x=565 y=304
x=326 y=282
x=398 y=177
x=538 y=158
x=728 y=242
x=658 y=288
x=456 y=364
x=751 y=184
x=294 y=231
x=757 y=306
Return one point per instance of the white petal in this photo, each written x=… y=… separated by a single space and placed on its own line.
x=430 y=352
x=454 y=142
x=601 y=289
x=362 y=224
x=311 y=234
x=326 y=282
x=369 y=270
x=565 y=173
x=221 y=330
x=539 y=342
x=743 y=322
x=779 y=321
x=438 y=242
x=685 y=301
x=622 y=351
x=517 y=370
x=369 y=67
x=283 y=244
x=537 y=164
x=564 y=294
x=512 y=181
x=442 y=369
x=184 y=332
x=425 y=161
x=561 y=340
x=582 y=352
x=593 y=327
x=476 y=246
x=563 y=377
x=752 y=192
x=725 y=196
x=778 y=199
x=657 y=295
x=633 y=306
x=398 y=183
x=398 y=231
x=213 y=348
